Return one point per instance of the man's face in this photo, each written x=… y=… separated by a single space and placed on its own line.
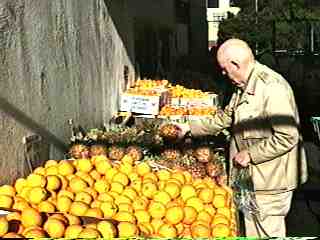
x=233 y=71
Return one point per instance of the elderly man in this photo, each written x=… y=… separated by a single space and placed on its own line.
x=265 y=136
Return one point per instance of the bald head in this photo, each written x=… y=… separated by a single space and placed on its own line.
x=236 y=60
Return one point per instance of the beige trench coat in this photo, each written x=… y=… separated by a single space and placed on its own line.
x=264 y=121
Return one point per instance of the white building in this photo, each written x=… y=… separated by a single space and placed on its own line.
x=217 y=10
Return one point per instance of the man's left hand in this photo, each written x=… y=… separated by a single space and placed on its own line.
x=242 y=158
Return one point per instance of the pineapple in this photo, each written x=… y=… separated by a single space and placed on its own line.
x=204 y=154
x=169 y=131
x=98 y=149
x=171 y=154
x=135 y=152
x=116 y=153
x=198 y=170
x=79 y=150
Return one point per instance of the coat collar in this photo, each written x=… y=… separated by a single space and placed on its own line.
x=252 y=80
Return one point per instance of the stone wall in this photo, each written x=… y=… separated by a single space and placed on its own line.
x=60 y=60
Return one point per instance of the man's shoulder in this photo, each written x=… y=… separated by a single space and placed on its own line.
x=269 y=76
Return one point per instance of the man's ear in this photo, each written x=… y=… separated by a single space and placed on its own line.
x=237 y=65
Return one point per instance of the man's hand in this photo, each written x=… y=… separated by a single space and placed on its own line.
x=184 y=129
x=242 y=158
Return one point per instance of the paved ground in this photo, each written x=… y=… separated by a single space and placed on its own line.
x=304 y=216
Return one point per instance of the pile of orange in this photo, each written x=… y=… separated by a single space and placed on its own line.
x=52 y=201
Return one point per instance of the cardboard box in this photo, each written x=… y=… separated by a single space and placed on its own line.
x=210 y=100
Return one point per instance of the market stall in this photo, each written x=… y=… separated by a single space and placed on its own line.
x=128 y=181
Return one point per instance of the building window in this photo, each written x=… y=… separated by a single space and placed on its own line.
x=213 y=3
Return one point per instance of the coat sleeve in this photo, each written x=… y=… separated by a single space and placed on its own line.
x=220 y=121
x=282 y=115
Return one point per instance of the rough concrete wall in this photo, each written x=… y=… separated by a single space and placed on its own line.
x=60 y=59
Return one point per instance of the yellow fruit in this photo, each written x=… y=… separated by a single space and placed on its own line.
x=52 y=170
x=73 y=220
x=121 y=178
x=180 y=228
x=94 y=212
x=167 y=231
x=162 y=196
x=46 y=207
x=125 y=207
x=89 y=233
x=124 y=216
x=152 y=176
x=139 y=204
x=60 y=217
x=101 y=186
x=137 y=185
x=126 y=168
x=93 y=193
x=204 y=216
x=145 y=229
x=220 y=219
x=107 y=229
x=156 y=224
x=36 y=180
x=210 y=209
x=20 y=205
x=173 y=189
x=97 y=158
x=50 y=163
x=53 y=183
x=105 y=197
x=122 y=199
x=143 y=168
x=78 y=208
x=95 y=174
x=104 y=167
x=196 y=203
x=25 y=192
x=220 y=230
x=188 y=191
x=12 y=235
x=220 y=190
x=13 y=216
x=84 y=165
x=64 y=181
x=134 y=177
x=117 y=187
x=130 y=193
x=127 y=229
x=142 y=216
x=163 y=175
x=66 y=168
x=157 y=210
x=113 y=194
x=83 y=197
x=77 y=184
x=37 y=195
x=4 y=226
x=200 y=231
x=190 y=215
x=19 y=184
x=225 y=211
x=174 y=215
x=179 y=176
x=35 y=233
x=65 y=193
x=149 y=189
x=6 y=201
x=109 y=209
x=127 y=159
x=31 y=217
x=206 y=195
x=7 y=190
x=188 y=177
x=73 y=231
x=219 y=201
x=86 y=177
x=54 y=227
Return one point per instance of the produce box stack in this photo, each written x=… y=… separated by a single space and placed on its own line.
x=159 y=97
